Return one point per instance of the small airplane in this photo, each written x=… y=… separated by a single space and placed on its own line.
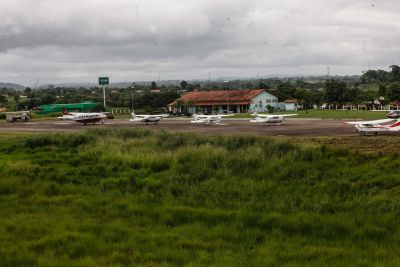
x=394 y=113
x=83 y=117
x=268 y=118
x=209 y=119
x=376 y=126
x=147 y=118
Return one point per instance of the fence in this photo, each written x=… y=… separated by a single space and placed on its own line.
x=120 y=111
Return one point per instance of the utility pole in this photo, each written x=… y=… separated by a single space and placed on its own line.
x=133 y=89
x=104 y=81
x=227 y=96
x=104 y=95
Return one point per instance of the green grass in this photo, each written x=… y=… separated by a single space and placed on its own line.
x=328 y=114
x=114 y=197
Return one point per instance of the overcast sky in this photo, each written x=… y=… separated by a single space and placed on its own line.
x=54 y=41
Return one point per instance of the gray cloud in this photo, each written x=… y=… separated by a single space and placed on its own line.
x=75 y=41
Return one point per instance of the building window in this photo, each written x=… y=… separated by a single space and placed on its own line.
x=268 y=101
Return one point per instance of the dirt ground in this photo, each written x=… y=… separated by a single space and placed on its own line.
x=333 y=133
x=298 y=127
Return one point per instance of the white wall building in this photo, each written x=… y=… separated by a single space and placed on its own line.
x=232 y=101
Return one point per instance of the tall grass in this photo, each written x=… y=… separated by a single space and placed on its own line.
x=135 y=197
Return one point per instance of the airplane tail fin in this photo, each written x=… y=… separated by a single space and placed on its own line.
x=395 y=125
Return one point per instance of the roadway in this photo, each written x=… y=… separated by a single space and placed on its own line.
x=291 y=127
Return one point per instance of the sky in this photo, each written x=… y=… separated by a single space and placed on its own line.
x=59 y=41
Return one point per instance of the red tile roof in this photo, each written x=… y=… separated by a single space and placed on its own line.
x=208 y=98
x=291 y=100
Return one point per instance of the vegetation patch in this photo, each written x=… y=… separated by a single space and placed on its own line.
x=124 y=197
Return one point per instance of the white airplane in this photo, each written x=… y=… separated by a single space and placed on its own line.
x=393 y=113
x=209 y=119
x=268 y=118
x=375 y=126
x=147 y=118
x=83 y=117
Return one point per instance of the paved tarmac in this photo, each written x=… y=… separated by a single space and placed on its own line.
x=290 y=127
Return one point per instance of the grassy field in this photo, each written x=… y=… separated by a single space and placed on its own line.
x=113 y=197
x=328 y=114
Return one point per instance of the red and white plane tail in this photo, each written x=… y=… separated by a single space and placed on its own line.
x=395 y=126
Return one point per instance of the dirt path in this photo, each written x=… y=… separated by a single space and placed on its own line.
x=296 y=127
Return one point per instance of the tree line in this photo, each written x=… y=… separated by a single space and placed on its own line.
x=371 y=86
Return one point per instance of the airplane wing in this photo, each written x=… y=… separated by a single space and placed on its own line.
x=202 y=116
x=139 y=118
x=272 y=114
x=385 y=110
x=66 y=117
x=260 y=115
x=287 y=115
x=369 y=122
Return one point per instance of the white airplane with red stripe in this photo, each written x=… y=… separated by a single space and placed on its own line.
x=376 y=126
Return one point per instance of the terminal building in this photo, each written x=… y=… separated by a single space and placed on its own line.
x=231 y=101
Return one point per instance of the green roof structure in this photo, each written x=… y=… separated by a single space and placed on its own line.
x=72 y=107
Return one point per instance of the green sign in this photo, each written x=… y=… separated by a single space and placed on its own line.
x=104 y=81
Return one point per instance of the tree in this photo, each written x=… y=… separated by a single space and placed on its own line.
x=382 y=91
x=270 y=108
x=184 y=84
x=262 y=85
x=395 y=72
x=350 y=94
x=286 y=90
x=11 y=104
x=393 y=91
x=366 y=96
x=27 y=91
x=153 y=85
x=335 y=91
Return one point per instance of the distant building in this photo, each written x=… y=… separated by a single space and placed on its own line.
x=289 y=104
x=231 y=101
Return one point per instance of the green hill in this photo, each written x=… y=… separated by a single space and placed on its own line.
x=12 y=86
x=135 y=197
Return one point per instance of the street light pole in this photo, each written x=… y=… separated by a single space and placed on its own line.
x=104 y=95
x=133 y=88
x=227 y=95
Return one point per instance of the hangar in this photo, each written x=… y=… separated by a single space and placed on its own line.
x=235 y=101
x=72 y=107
